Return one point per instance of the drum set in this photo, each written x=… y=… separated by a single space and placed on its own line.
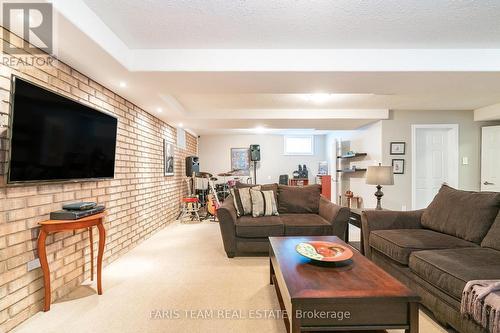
x=203 y=194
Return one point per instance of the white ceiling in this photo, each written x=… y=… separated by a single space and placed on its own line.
x=299 y=24
x=216 y=90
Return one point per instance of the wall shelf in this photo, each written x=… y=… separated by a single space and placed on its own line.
x=352 y=170
x=352 y=156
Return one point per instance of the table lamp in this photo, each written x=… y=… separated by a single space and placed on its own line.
x=379 y=175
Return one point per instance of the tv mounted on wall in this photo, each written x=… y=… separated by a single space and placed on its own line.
x=54 y=138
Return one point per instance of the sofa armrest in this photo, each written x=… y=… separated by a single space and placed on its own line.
x=337 y=215
x=386 y=219
x=227 y=219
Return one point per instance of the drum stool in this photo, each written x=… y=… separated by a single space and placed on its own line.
x=190 y=206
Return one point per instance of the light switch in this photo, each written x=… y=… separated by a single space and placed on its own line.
x=465 y=160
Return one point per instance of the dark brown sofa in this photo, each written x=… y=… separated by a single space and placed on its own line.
x=437 y=250
x=302 y=212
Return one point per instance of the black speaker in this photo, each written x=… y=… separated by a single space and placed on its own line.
x=192 y=165
x=255 y=153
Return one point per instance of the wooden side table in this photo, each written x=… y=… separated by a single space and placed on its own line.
x=52 y=226
x=355 y=220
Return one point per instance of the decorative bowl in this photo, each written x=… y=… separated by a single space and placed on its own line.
x=324 y=251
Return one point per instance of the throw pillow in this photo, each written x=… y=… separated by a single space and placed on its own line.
x=492 y=238
x=299 y=199
x=264 y=187
x=463 y=214
x=263 y=203
x=243 y=200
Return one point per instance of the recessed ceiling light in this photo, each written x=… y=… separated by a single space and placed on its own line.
x=159 y=110
x=123 y=84
x=181 y=125
x=260 y=129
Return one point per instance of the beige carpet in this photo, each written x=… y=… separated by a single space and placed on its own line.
x=182 y=275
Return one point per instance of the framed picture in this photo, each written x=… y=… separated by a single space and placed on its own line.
x=240 y=160
x=398 y=148
x=168 y=158
x=398 y=166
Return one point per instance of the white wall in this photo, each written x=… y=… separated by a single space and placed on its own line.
x=367 y=139
x=215 y=151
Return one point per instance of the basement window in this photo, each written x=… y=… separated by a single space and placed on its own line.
x=181 y=138
x=299 y=145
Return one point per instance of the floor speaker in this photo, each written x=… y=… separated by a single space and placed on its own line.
x=192 y=165
x=255 y=153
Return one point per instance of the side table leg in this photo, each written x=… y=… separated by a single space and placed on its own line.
x=413 y=314
x=91 y=238
x=271 y=271
x=102 y=242
x=42 y=255
x=347 y=232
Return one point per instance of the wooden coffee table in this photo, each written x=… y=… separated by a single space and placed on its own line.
x=357 y=295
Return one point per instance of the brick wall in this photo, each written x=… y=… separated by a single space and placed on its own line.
x=140 y=200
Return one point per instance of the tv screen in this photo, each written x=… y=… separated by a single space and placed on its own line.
x=56 y=138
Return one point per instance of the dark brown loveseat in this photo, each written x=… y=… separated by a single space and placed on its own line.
x=302 y=212
x=435 y=251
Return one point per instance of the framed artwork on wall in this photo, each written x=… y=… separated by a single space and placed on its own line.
x=168 y=158
x=240 y=160
x=398 y=166
x=398 y=148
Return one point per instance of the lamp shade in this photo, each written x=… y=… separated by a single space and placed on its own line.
x=379 y=175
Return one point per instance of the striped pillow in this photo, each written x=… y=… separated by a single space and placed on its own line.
x=243 y=200
x=263 y=203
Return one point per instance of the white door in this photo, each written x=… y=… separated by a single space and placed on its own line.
x=490 y=159
x=435 y=161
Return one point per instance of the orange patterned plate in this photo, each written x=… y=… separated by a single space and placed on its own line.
x=324 y=251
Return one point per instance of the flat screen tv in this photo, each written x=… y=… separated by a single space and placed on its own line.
x=54 y=138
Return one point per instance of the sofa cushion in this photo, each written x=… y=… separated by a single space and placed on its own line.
x=398 y=244
x=265 y=226
x=298 y=199
x=449 y=270
x=464 y=214
x=492 y=238
x=305 y=225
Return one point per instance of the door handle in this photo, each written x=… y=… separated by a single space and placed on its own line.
x=488 y=183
